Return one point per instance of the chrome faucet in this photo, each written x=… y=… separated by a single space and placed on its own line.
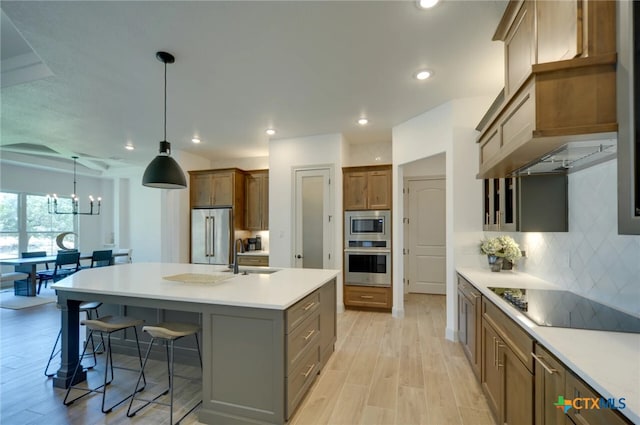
x=235 y=255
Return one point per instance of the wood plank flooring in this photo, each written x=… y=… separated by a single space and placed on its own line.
x=384 y=371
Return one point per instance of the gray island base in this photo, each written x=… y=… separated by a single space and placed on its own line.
x=265 y=337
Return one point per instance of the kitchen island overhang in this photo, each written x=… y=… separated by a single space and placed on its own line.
x=253 y=352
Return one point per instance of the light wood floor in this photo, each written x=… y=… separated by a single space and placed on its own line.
x=384 y=371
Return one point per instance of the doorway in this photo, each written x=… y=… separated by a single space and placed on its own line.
x=425 y=230
x=313 y=219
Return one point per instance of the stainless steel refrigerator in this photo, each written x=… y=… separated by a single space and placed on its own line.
x=211 y=235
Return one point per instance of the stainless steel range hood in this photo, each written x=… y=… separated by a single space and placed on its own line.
x=571 y=157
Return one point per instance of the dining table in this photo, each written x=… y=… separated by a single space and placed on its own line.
x=33 y=262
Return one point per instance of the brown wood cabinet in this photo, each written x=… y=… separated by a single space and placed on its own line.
x=219 y=188
x=469 y=323
x=577 y=388
x=367 y=188
x=253 y=260
x=507 y=367
x=560 y=82
x=257 y=200
x=549 y=384
x=368 y=296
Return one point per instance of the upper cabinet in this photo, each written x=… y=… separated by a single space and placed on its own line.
x=560 y=82
x=256 y=204
x=628 y=110
x=219 y=188
x=536 y=203
x=367 y=188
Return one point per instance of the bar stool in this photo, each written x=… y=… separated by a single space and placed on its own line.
x=90 y=309
x=167 y=333
x=106 y=325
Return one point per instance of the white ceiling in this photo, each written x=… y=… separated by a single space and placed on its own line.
x=303 y=67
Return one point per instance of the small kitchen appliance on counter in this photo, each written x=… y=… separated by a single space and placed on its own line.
x=564 y=309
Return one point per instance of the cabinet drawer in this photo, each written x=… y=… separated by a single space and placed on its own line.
x=253 y=260
x=489 y=144
x=576 y=388
x=519 y=123
x=467 y=289
x=367 y=296
x=300 y=379
x=302 y=337
x=517 y=339
x=300 y=311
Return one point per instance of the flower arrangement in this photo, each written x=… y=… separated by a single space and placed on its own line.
x=501 y=246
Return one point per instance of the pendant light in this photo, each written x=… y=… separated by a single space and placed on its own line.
x=52 y=201
x=164 y=172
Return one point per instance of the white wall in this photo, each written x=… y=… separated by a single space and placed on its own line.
x=447 y=129
x=367 y=154
x=284 y=156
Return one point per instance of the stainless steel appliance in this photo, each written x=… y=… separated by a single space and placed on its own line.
x=367 y=266
x=367 y=226
x=211 y=235
x=565 y=309
x=367 y=248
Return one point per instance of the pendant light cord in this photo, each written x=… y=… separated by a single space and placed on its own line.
x=165 y=101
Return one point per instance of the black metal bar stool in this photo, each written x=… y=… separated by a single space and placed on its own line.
x=106 y=325
x=168 y=333
x=91 y=310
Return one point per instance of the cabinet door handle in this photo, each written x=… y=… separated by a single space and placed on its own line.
x=308 y=306
x=544 y=365
x=366 y=297
x=486 y=219
x=498 y=218
x=306 y=374
x=311 y=332
x=498 y=346
x=495 y=352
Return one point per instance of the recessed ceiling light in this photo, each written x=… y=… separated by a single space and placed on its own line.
x=195 y=140
x=270 y=131
x=424 y=74
x=427 y=4
x=363 y=121
x=129 y=147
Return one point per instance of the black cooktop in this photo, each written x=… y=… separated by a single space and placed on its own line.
x=565 y=309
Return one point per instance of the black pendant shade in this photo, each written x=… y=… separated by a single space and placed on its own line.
x=164 y=172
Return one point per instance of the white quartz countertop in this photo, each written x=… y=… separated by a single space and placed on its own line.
x=608 y=361
x=255 y=253
x=277 y=290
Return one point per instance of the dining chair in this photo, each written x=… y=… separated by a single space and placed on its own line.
x=66 y=264
x=100 y=258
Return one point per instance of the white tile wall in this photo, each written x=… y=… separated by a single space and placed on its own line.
x=591 y=259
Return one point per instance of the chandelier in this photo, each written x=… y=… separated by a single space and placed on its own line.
x=52 y=201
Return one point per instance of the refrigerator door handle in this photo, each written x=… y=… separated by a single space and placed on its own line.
x=206 y=236
x=213 y=236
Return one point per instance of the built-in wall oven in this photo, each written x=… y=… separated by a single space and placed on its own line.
x=367 y=248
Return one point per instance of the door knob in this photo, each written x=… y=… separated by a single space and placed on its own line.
x=298 y=256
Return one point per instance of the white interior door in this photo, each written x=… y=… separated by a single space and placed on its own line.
x=426 y=236
x=313 y=231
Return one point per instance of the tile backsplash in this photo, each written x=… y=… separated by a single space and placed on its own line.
x=591 y=259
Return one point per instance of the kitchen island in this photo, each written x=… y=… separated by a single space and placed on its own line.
x=265 y=335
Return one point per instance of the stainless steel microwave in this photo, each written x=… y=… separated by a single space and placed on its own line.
x=367 y=225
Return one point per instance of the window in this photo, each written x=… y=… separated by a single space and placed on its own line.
x=26 y=225
x=9 y=235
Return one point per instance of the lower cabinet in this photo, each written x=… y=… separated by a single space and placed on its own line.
x=367 y=296
x=506 y=373
x=469 y=323
x=520 y=378
x=253 y=260
x=549 y=384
